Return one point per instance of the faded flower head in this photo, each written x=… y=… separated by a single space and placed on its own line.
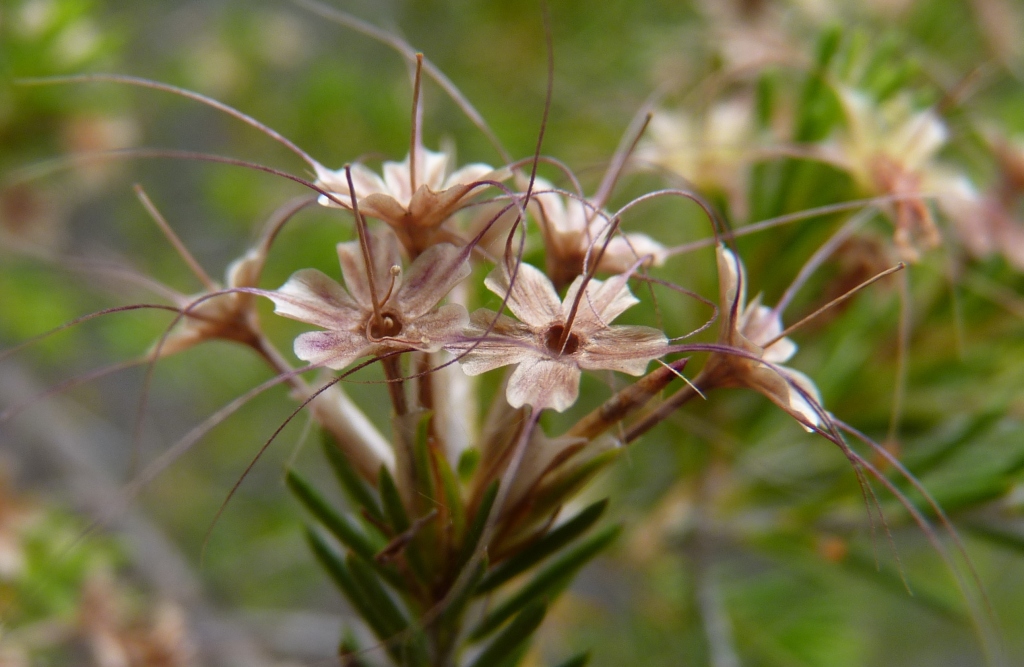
x=414 y=197
x=754 y=329
x=710 y=152
x=555 y=340
x=379 y=312
x=575 y=231
x=228 y=316
x=890 y=149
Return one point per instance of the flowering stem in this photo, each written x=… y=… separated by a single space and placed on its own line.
x=662 y=412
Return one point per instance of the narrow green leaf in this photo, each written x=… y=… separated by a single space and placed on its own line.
x=394 y=510
x=556 y=491
x=518 y=632
x=578 y=660
x=422 y=473
x=332 y=561
x=449 y=623
x=375 y=595
x=468 y=462
x=348 y=652
x=452 y=496
x=542 y=548
x=355 y=486
x=548 y=583
x=476 y=529
x=998 y=535
x=342 y=528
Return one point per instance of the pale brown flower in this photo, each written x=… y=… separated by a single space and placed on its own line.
x=575 y=231
x=407 y=317
x=890 y=149
x=550 y=359
x=754 y=329
x=414 y=203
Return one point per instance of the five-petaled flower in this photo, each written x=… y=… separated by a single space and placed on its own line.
x=414 y=199
x=753 y=330
x=554 y=341
x=404 y=318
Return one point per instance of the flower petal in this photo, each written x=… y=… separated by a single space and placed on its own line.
x=732 y=291
x=333 y=349
x=628 y=349
x=365 y=182
x=625 y=250
x=313 y=297
x=436 y=329
x=532 y=299
x=384 y=251
x=474 y=173
x=509 y=342
x=396 y=176
x=602 y=303
x=434 y=273
x=544 y=383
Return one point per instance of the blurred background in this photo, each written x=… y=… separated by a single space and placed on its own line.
x=748 y=542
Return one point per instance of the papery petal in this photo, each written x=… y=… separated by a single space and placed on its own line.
x=431 y=167
x=544 y=383
x=333 y=349
x=396 y=176
x=509 y=342
x=436 y=329
x=628 y=349
x=760 y=325
x=384 y=207
x=365 y=182
x=434 y=273
x=602 y=302
x=385 y=253
x=313 y=297
x=732 y=290
x=798 y=405
x=474 y=173
x=625 y=250
x=532 y=299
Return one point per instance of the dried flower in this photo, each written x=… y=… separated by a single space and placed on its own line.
x=415 y=200
x=554 y=340
x=575 y=231
x=709 y=152
x=890 y=149
x=404 y=318
x=754 y=329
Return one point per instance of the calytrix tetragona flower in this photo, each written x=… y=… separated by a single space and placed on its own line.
x=575 y=231
x=404 y=318
x=414 y=199
x=754 y=329
x=553 y=342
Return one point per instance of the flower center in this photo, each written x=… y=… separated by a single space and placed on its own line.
x=553 y=340
x=389 y=326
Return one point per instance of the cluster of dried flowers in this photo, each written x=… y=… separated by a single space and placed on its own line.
x=449 y=500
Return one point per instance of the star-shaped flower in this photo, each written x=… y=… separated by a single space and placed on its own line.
x=407 y=317
x=550 y=359
x=754 y=329
x=574 y=233
x=414 y=202
x=890 y=149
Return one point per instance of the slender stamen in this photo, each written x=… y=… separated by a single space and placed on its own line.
x=396 y=271
x=183 y=251
x=834 y=302
x=618 y=163
x=417 y=115
x=364 y=244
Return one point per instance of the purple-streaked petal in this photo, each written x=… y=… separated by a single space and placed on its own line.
x=602 y=302
x=430 y=168
x=532 y=299
x=732 y=290
x=544 y=383
x=396 y=176
x=313 y=297
x=628 y=349
x=436 y=329
x=384 y=250
x=333 y=349
x=474 y=173
x=798 y=405
x=490 y=354
x=430 y=278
